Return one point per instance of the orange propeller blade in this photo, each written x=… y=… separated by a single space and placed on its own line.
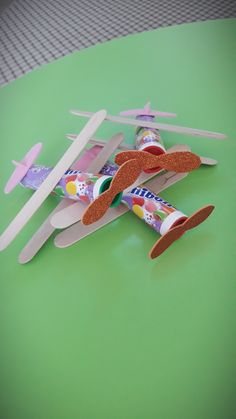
x=176 y=232
x=124 y=177
x=179 y=161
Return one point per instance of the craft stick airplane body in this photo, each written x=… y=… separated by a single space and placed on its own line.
x=101 y=184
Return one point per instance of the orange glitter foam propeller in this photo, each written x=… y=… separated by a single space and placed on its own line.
x=176 y=232
x=179 y=161
x=124 y=177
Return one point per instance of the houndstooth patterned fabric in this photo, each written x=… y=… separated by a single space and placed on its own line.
x=34 y=32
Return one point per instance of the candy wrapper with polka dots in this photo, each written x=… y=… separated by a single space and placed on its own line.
x=152 y=209
x=74 y=184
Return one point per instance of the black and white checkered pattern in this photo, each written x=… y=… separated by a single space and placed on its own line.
x=34 y=32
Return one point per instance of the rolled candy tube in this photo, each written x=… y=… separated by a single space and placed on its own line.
x=149 y=139
x=74 y=184
x=153 y=210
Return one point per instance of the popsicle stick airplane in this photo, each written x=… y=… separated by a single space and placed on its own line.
x=106 y=187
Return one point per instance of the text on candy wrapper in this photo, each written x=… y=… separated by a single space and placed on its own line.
x=145 y=193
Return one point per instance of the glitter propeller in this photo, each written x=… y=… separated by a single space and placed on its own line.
x=124 y=177
x=182 y=161
x=176 y=232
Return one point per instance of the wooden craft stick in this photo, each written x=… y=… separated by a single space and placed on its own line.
x=46 y=229
x=108 y=149
x=66 y=217
x=78 y=231
x=178 y=147
x=207 y=161
x=41 y=235
x=50 y=182
x=103 y=143
x=163 y=127
x=169 y=178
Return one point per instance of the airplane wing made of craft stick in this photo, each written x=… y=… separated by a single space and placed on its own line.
x=102 y=143
x=36 y=200
x=46 y=229
x=164 y=127
x=78 y=231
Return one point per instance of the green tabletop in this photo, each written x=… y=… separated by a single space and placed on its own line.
x=98 y=330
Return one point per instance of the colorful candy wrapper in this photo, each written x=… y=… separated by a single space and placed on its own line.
x=149 y=139
x=152 y=209
x=74 y=184
x=110 y=168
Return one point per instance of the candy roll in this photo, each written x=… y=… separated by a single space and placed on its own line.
x=74 y=184
x=153 y=210
x=149 y=139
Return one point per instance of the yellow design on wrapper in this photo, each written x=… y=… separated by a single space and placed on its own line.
x=138 y=211
x=71 y=188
